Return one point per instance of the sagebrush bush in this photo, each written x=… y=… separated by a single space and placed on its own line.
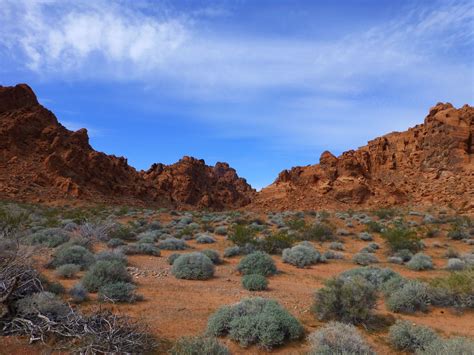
x=404 y=254
x=172 y=244
x=193 y=266
x=254 y=282
x=257 y=263
x=172 y=258
x=373 y=227
x=78 y=293
x=199 y=345
x=257 y=321
x=122 y=232
x=399 y=238
x=412 y=296
x=453 y=346
x=213 y=255
x=364 y=258
x=115 y=242
x=328 y=255
x=103 y=273
x=455 y=264
x=275 y=243
x=112 y=255
x=221 y=230
x=346 y=299
x=338 y=338
x=336 y=246
x=141 y=249
x=118 y=292
x=420 y=262
x=46 y=303
x=67 y=271
x=205 y=239
x=231 y=251
x=319 y=232
x=50 y=237
x=376 y=276
x=301 y=256
x=406 y=336
x=75 y=254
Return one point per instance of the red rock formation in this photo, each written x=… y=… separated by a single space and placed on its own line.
x=432 y=163
x=42 y=161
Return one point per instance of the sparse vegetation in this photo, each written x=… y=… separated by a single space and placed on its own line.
x=199 y=345
x=193 y=266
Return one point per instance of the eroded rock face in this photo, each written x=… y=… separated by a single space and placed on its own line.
x=432 y=163
x=42 y=161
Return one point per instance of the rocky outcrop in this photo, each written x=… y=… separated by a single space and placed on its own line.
x=42 y=161
x=432 y=163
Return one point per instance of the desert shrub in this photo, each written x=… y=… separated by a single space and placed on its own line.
x=457 y=232
x=103 y=273
x=78 y=293
x=172 y=258
x=257 y=263
x=50 y=237
x=319 y=232
x=376 y=276
x=115 y=242
x=213 y=255
x=406 y=336
x=193 y=266
x=374 y=227
x=54 y=287
x=276 y=242
x=172 y=244
x=453 y=346
x=336 y=246
x=301 y=256
x=75 y=254
x=364 y=258
x=454 y=290
x=221 y=230
x=412 y=296
x=205 y=239
x=46 y=303
x=405 y=254
x=112 y=255
x=241 y=235
x=350 y=300
x=455 y=264
x=420 y=262
x=231 y=251
x=338 y=338
x=199 y=345
x=399 y=238
x=146 y=238
x=257 y=321
x=254 y=282
x=122 y=232
x=452 y=253
x=118 y=292
x=141 y=249
x=328 y=255
x=395 y=260
x=384 y=213
x=67 y=271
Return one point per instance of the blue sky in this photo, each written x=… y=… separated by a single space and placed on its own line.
x=263 y=85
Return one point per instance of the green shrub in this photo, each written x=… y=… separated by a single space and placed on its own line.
x=301 y=256
x=172 y=244
x=454 y=290
x=420 y=262
x=457 y=232
x=376 y=276
x=338 y=338
x=404 y=254
x=75 y=254
x=205 y=239
x=275 y=243
x=453 y=346
x=374 y=227
x=112 y=255
x=257 y=263
x=254 y=282
x=115 y=242
x=385 y=213
x=193 y=266
x=346 y=299
x=199 y=345
x=50 y=237
x=122 y=232
x=406 y=336
x=319 y=232
x=213 y=255
x=412 y=296
x=257 y=321
x=118 y=292
x=172 y=258
x=399 y=238
x=103 y=273
x=231 y=251
x=241 y=235
x=67 y=271
x=336 y=246
x=221 y=230
x=364 y=258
